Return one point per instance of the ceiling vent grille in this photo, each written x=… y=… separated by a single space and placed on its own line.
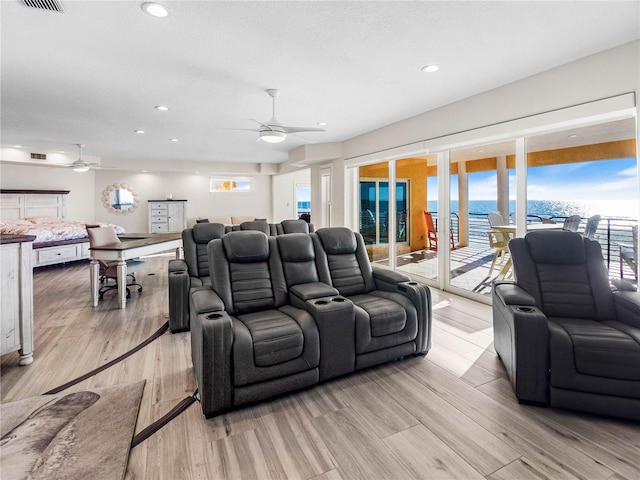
x=38 y=156
x=51 y=5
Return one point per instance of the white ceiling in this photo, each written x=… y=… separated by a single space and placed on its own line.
x=93 y=74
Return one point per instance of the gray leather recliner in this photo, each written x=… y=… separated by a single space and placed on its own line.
x=248 y=342
x=192 y=272
x=566 y=337
x=392 y=313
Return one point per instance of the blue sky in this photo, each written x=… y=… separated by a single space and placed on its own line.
x=585 y=181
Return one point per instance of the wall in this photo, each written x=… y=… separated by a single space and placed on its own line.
x=81 y=186
x=192 y=187
x=607 y=74
x=284 y=194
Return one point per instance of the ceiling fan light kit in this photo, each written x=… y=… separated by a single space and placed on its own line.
x=272 y=136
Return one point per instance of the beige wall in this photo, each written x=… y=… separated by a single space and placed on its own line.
x=185 y=186
x=81 y=186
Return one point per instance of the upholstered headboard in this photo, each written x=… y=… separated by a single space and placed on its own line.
x=32 y=203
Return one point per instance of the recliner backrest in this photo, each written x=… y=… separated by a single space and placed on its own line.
x=298 y=258
x=294 y=226
x=342 y=260
x=257 y=225
x=246 y=272
x=194 y=245
x=565 y=273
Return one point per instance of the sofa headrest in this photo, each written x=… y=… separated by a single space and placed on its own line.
x=296 y=247
x=337 y=240
x=256 y=225
x=246 y=246
x=205 y=232
x=556 y=246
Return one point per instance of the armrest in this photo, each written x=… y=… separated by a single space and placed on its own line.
x=178 y=265
x=211 y=350
x=299 y=294
x=386 y=277
x=521 y=339
x=205 y=300
x=179 y=284
x=335 y=317
x=512 y=294
x=628 y=307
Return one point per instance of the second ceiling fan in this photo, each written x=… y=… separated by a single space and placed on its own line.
x=273 y=131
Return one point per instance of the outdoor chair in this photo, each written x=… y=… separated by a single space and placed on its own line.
x=498 y=240
x=591 y=226
x=629 y=254
x=565 y=335
x=571 y=223
x=432 y=234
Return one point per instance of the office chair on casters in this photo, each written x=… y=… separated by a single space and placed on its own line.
x=99 y=237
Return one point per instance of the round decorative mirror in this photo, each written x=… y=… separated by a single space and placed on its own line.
x=120 y=198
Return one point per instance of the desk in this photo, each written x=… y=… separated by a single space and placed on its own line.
x=133 y=245
x=511 y=231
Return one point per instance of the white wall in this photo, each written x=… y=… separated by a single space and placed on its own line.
x=284 y=194
x=607 y=74
x=184 y=186
x=81 y=186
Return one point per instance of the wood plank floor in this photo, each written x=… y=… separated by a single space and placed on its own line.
x=449 y=415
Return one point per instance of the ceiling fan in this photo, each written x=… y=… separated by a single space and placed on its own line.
x=273 y=131
x=80 y=165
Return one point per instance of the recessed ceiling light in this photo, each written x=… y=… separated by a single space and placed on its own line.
x=431 y=68
x=162 y=108
x=145 y=171
x=173 y=139
x=196 y=173
x=139 y=131
x=155 y=9
x=573 y=135
x=322 y=124
x=61 y=151
x=17 y=146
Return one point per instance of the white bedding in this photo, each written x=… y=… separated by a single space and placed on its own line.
x=49 y=229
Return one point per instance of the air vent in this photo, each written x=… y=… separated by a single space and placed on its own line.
x=51 y=5
x=38 y=156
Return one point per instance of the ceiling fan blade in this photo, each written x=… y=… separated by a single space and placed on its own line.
x=302 y=137
x=261 y=124
x=302 y=129
x=242 y=129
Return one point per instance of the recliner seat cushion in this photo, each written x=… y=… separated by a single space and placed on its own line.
x=573 y=357
x=603 y=349
x=276 y=337
x=383 y=320
x=260 y=354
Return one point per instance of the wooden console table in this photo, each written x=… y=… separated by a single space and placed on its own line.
x=133 y=245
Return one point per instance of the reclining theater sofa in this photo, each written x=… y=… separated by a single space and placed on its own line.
x=286 y=312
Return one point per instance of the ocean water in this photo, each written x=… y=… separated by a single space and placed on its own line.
x=555 y=208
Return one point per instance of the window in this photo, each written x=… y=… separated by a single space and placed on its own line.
x=232 y=184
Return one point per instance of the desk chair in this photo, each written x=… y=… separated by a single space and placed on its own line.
x=99 y=237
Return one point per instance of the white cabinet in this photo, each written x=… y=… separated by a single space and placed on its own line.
x=16 y=297
x=167 y=216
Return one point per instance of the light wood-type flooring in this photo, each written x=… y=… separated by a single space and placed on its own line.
x=451 y=414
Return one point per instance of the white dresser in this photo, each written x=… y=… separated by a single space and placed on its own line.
x=16 y=296
x=167 y=216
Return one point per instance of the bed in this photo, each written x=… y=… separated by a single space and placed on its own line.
x=42 y=213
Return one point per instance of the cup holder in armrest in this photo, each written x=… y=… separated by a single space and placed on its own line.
x=338 y=299
x=213 y=316
x=321 y=302
x=524 y=309
x=413 y=283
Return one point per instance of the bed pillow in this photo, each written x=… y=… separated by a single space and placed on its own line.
x=43 y=219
